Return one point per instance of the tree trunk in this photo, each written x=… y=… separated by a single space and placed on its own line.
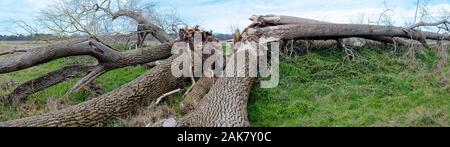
x=24 y=90
x=98 y=111
x=224 y=106
x=199 y=90
x=326 y=31
x=108 y=58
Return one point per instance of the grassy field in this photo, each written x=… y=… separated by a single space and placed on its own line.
x=379 y=89
x=382 y=90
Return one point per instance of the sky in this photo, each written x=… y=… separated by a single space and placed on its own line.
x=219 y=15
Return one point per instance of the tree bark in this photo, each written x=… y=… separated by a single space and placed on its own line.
x=98 y=111
x=199 y=90
x=26 y=89
x=324 y=31
x=144 y=27
x=224 y=106
x=261 y=21
x=106 y=56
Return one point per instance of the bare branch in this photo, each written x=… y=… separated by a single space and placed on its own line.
x=93 y=74
x=103 y=53
x=158 y=100
x=424 y=24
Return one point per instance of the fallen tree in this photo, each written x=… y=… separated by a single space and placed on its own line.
x=108 y=59
x=26 y=89
x=98 y=111
x=209 y=104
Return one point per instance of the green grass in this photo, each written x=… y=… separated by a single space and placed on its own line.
x=317 y=90
x=379 y=89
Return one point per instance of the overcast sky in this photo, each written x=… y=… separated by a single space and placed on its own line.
x=218 y=15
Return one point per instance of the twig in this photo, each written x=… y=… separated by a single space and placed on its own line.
x=190 y=88
x=166 y=95
x=88 y=79
x=192 y=76
x=348 y=52
x=417 y=10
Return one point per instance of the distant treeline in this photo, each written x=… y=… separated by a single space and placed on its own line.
x=223 y=36
x=48 y=36
x=24 y=37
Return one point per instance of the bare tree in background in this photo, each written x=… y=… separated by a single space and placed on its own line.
x=66 y=18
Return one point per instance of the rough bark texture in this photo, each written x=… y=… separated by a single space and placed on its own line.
x=224 y=106
x=99 y=111
x=24 y=90
x=199 y=90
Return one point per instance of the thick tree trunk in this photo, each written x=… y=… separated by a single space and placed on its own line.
x=224 y=106
x=325 y=31
x=98 y=111
x=289 y=23
x=199 y=90
x=108 y=58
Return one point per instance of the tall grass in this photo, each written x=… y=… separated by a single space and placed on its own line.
x=379 y=90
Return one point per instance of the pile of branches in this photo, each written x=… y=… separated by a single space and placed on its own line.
x=210 y=102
